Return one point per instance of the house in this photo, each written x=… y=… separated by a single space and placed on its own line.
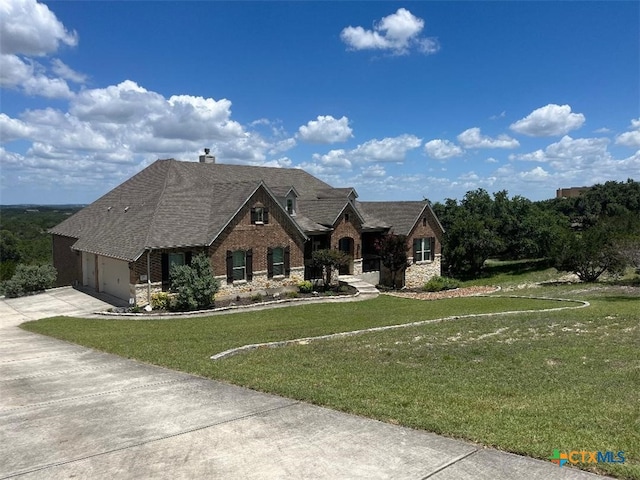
x=571 y=192
x=258 y=226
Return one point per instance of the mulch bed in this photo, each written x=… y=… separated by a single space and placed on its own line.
x=458 y=292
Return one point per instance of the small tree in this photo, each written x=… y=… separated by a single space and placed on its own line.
x=329 y=260
x=194 y=284
x=393 y=254
x=589 y=253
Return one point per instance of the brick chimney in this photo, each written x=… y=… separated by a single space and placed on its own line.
x=206 y=158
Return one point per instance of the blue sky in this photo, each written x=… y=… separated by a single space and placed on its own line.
x=399 y=100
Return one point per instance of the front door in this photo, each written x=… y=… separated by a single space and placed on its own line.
x=345 y=245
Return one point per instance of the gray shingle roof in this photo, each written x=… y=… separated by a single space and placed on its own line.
x=401 y=216
x=180 y=204
x=171 y=204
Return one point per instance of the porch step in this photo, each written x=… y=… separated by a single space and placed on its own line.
x=363 y=287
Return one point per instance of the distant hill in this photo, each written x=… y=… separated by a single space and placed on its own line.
x=23 y=234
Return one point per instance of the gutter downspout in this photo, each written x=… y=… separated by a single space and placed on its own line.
x=149 y=276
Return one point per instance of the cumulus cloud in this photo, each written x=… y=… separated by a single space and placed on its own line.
x=538 y=174
x=632 y=137
x=397 y=33
x=442 y=149
x=473 y=138
x=334 y=159
x=326 y=129
x=550 y=120
x=571 y=154
x=30 y=28
x=390 y=149
x=30 y=77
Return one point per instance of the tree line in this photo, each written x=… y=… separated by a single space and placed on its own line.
x=23 y=235
x=596 y=232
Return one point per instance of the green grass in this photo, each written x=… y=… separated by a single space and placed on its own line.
x=186 y=344
x=527 y=383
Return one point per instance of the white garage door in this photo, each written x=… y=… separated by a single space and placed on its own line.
x=114 y=277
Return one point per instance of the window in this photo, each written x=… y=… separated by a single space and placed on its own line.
x=278 y=260
x=168 y=260
x=290 y=209
x=176 y=259
x=259 y=215
x=423 y=249
x=239 y=265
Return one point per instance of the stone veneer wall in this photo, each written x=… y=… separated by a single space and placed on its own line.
x=141 y=292
x=418 y=273
x=260 y=283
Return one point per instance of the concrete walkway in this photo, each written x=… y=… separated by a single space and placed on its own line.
x=69 y=411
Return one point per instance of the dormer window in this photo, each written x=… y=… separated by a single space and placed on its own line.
x=290 y=206
x=259 y=215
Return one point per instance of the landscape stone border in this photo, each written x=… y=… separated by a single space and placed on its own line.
x=307 y=340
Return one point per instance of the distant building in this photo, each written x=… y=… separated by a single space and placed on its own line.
x=571 y=192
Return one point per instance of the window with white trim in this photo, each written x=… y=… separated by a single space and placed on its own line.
x=423 y=249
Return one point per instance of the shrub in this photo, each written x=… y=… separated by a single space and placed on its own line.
x=256 y=298
x=160 y=300
x=437 y=284
x=194 y=285
x=305 y=287
x=29 y=278
x=293 y=294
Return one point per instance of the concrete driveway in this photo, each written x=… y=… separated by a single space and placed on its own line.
x=69 y=411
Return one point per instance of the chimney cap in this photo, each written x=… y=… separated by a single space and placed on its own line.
x=206 y=151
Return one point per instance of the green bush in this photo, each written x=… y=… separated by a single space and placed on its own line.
x=292 y=294
x=257 y=297
x=305 y=287
x=194 y=285
x=437 y=284
x=29 y=278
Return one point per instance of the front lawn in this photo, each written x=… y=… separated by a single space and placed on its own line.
x=528 y=383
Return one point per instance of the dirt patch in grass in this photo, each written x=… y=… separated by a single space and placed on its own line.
x=458 y=292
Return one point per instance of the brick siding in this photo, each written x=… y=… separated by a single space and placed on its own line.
x=66 y=261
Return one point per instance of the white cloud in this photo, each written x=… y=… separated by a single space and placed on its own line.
x=538 y=174
x=123 y=103
x=333 y=159
x=397 y=33
x=442 y=149
x=282 y=146
x=374 y=171
x=632 y=137
x=472 y=138
x=64 y=71
x=13 y=129
x=390 y=149
x=29 y=77
x=30 y=28
x=550 y=120
x=571 y=154
x=326 y=129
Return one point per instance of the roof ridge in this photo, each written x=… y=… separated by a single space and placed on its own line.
x=159 y=203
